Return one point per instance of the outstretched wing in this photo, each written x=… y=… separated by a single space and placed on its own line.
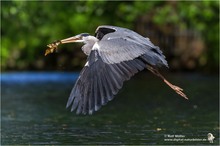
x=120 y=44
x=99 y=82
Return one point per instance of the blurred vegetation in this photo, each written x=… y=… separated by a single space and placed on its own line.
x=27 y=27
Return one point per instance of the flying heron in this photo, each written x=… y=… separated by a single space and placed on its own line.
x=115 y=54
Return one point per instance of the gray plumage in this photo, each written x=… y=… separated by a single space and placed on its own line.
x=114 y=56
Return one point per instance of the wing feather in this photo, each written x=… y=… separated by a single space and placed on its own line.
x=101 y=88
x=91 y=97
x=118 y=73
x=85 y=100
x=99 y=82
x=106 y=88
x=76 y=100
x=110 y=80
x=95 y=93
x=117 y=77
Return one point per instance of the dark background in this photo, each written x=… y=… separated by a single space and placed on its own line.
x=187 y=32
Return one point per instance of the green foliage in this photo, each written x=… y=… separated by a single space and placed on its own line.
x=27 y=27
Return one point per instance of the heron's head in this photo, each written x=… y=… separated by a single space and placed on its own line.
x=83 y=37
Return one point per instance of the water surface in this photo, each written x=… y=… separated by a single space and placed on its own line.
x=145 y=111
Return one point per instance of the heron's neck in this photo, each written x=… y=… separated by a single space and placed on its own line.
x=89 y=42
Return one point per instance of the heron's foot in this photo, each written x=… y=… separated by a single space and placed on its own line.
x=177 y=89
x=52 y=47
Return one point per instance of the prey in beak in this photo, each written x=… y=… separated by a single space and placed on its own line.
x=52 y=47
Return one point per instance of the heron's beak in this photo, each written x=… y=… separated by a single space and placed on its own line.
x=54 y=46
x=73 y=39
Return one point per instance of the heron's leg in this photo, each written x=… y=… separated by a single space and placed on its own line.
x=177 y=89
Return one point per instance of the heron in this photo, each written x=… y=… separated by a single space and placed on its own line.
x=115 y=54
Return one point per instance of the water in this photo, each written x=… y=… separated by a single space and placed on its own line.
x=145 y=111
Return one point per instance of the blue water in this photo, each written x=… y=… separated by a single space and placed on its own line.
x=38 y=77
x=145 y=111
